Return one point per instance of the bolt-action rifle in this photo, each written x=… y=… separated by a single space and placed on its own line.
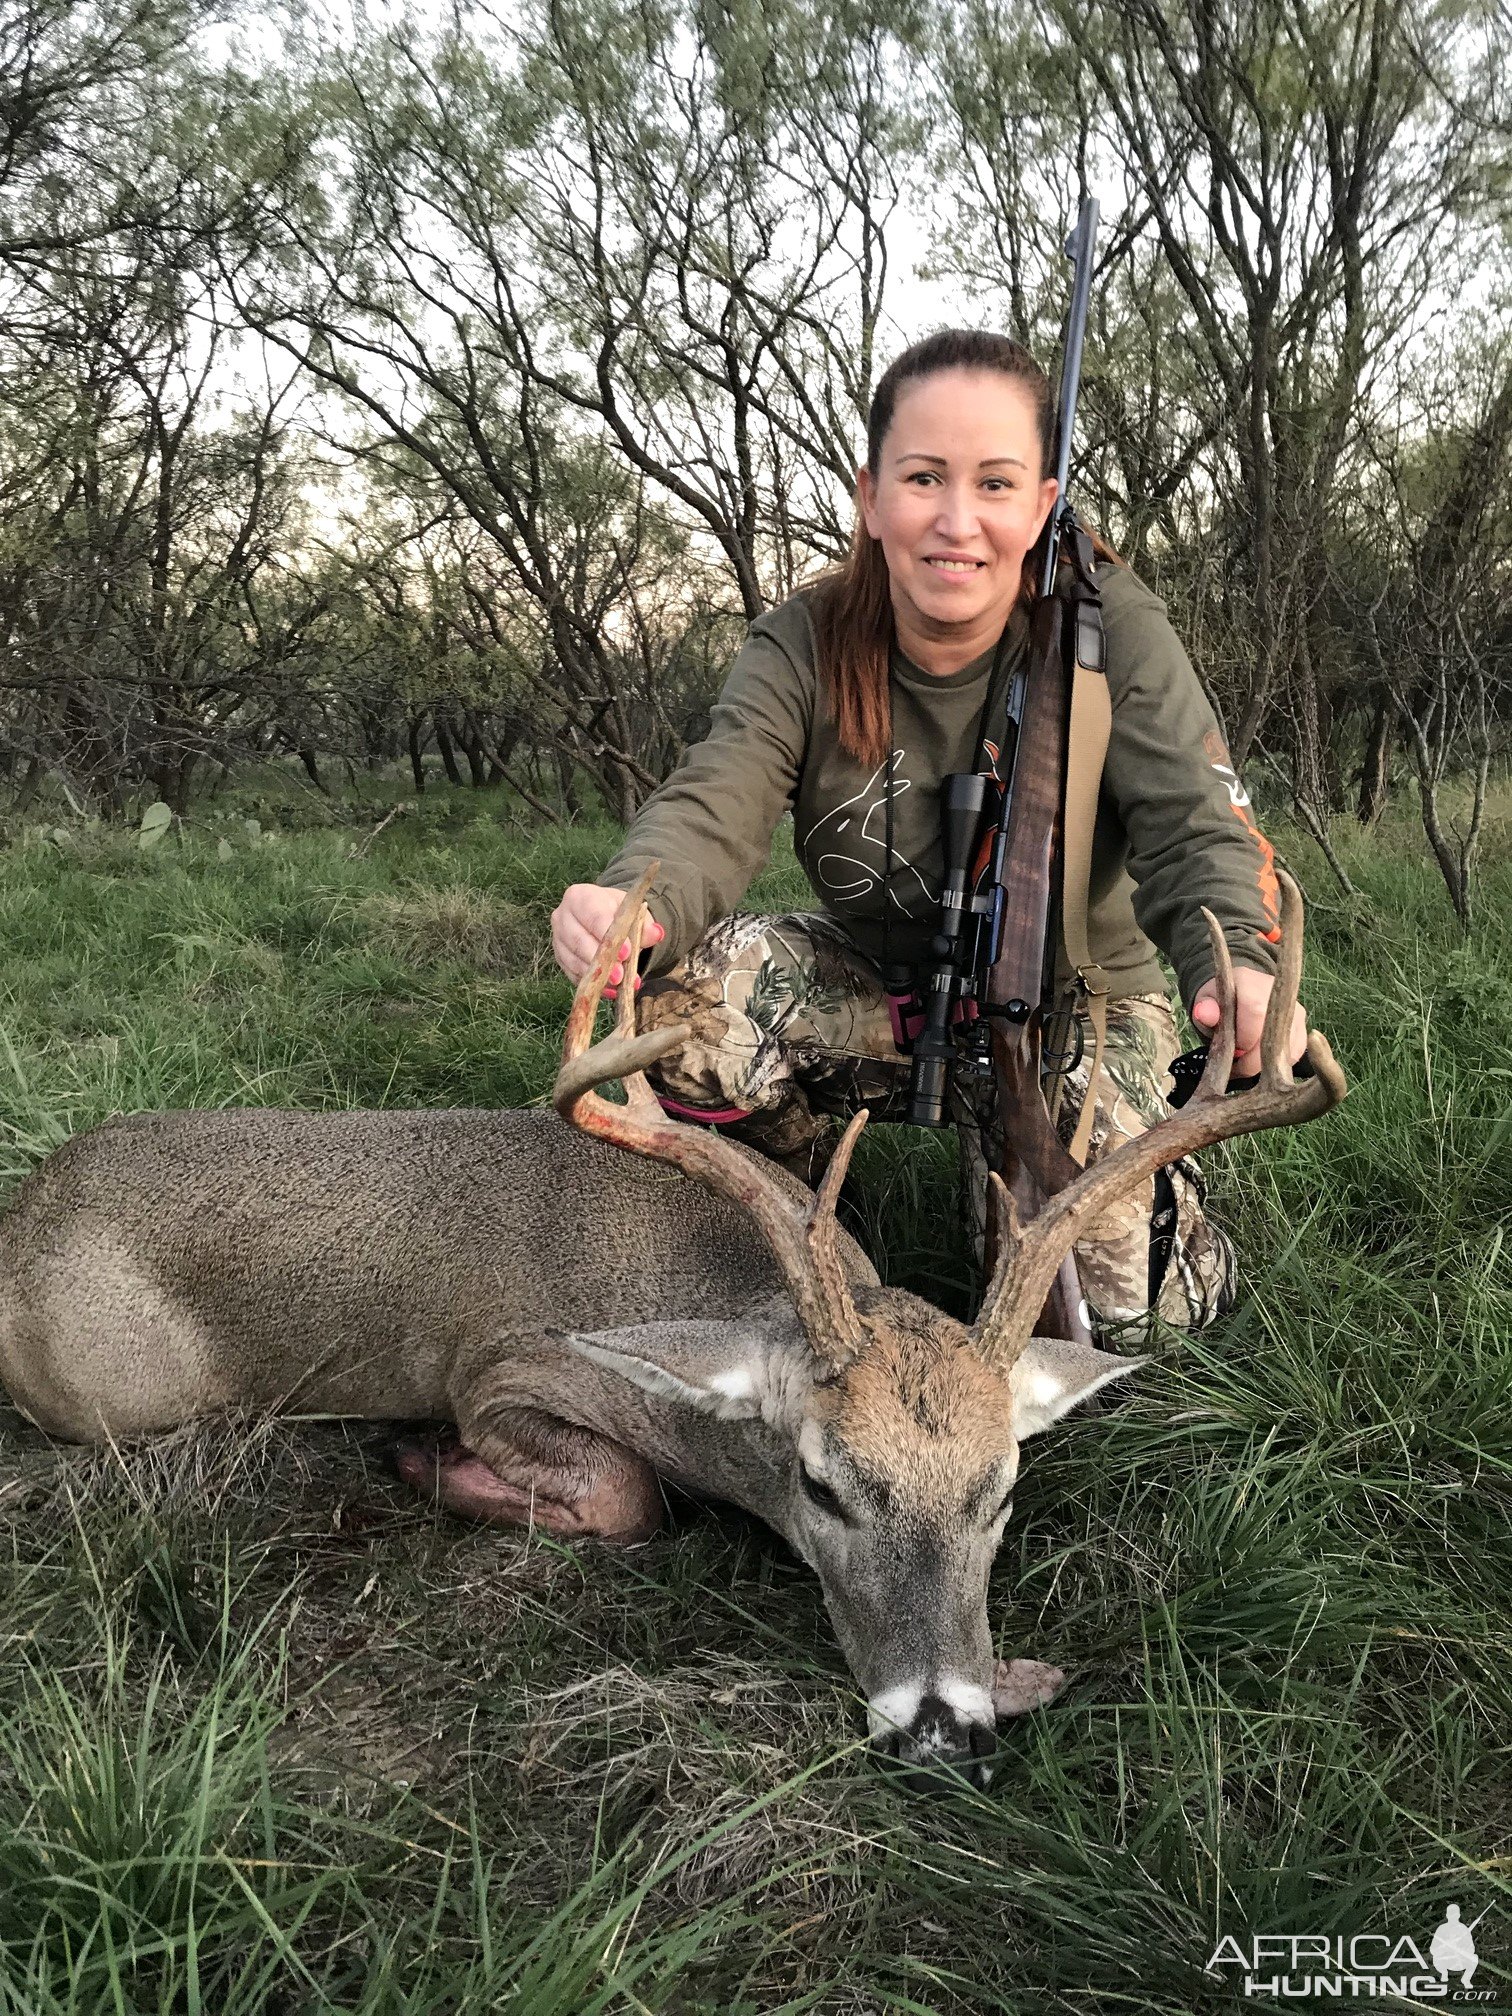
x=988 y=993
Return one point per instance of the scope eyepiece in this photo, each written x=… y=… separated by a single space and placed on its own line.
x=928 y=1090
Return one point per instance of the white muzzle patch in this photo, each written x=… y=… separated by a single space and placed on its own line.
x=895 y=1710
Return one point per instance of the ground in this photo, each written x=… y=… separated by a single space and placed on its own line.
x=276 y=1736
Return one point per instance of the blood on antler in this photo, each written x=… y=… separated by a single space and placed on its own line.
x=1030 y=1257
x=803 y=1241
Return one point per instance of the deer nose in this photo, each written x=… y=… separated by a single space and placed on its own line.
x=939 y=1746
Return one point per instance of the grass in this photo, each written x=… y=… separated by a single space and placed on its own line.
x=274 y=1737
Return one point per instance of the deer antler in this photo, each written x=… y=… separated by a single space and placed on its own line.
x=803 y=1242
x=1027 y=1264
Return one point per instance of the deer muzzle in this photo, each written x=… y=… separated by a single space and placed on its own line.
x=943 y=1730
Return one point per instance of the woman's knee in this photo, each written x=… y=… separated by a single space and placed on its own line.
x=778 y=1011
x=1155 y=1250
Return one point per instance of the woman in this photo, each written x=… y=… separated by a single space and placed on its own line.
x=848 y=704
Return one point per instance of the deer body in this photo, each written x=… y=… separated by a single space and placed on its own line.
x=384 y=1265
x=594 y=1319
x=358 y=1263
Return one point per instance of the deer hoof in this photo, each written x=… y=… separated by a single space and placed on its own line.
x=1021 y=1685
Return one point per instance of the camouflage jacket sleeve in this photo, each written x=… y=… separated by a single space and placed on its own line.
x=1192 y=837
x=711 y=823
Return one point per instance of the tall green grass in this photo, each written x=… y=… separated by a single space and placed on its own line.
x=273 y=1737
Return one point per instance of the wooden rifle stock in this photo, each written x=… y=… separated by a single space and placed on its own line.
x=1036 y=1164
x=1028 y=926
x=1039 y=770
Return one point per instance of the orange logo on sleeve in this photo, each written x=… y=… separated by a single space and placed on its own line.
x=1239 y=804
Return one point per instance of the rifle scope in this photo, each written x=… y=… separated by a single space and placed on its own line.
x=963 y=797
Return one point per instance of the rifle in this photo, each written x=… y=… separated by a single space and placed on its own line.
x=990 y=984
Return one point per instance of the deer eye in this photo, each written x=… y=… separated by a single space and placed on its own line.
x=820 y=1494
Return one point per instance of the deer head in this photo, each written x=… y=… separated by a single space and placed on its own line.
x=897 y=1428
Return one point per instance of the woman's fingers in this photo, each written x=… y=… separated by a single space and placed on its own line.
x=1249 y=1020
x=1250 y=1026
x=578 y=925
x=566 y=945
x=1252 y=992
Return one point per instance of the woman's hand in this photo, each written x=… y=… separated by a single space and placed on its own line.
x=1252 y=992
x=578 y=924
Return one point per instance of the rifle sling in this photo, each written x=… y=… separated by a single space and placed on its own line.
x=1086 y=750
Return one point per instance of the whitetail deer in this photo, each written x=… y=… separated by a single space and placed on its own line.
x=593 y=1323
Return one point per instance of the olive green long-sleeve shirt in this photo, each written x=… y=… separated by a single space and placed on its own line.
x=1174 y=830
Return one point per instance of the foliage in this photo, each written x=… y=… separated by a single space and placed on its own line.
x=468 y=383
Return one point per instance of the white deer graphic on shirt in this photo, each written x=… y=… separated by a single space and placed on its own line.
x=859 y=825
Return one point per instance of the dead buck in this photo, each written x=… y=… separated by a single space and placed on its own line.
x=593 y=1323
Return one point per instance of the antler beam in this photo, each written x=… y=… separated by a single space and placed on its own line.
x=803 y=1242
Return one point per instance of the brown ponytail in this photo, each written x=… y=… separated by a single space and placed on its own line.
x=851 y=605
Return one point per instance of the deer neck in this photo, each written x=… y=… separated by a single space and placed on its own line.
x=741 y=1462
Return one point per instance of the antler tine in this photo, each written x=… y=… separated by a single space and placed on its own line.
x=623 y=1055
x=823 y=1225
x=1220 y=1058
x=1275 y=1064
x=1022 y=1281
x=803 y=1242
x=1006 y=1234
x=638 y=1093
x=828 y=1195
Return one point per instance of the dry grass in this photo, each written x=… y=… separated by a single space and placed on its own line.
x=1276 y=1573
x=462 y=926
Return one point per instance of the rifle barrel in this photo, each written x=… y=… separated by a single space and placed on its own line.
x=1079 y=248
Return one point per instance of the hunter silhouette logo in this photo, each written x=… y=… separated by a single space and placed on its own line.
x=1453 y=1947
x=1337 y=1966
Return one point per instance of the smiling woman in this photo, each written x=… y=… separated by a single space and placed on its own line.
x=955 y=526
x=848 y=705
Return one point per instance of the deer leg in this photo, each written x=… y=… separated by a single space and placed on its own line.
x=516 y=1466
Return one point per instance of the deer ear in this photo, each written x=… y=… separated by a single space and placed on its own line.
x=735 y=1370
x=1052 y=1375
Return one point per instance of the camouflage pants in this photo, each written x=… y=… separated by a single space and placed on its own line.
x=789 y=1026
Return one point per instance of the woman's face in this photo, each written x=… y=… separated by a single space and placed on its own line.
x=957 y=501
